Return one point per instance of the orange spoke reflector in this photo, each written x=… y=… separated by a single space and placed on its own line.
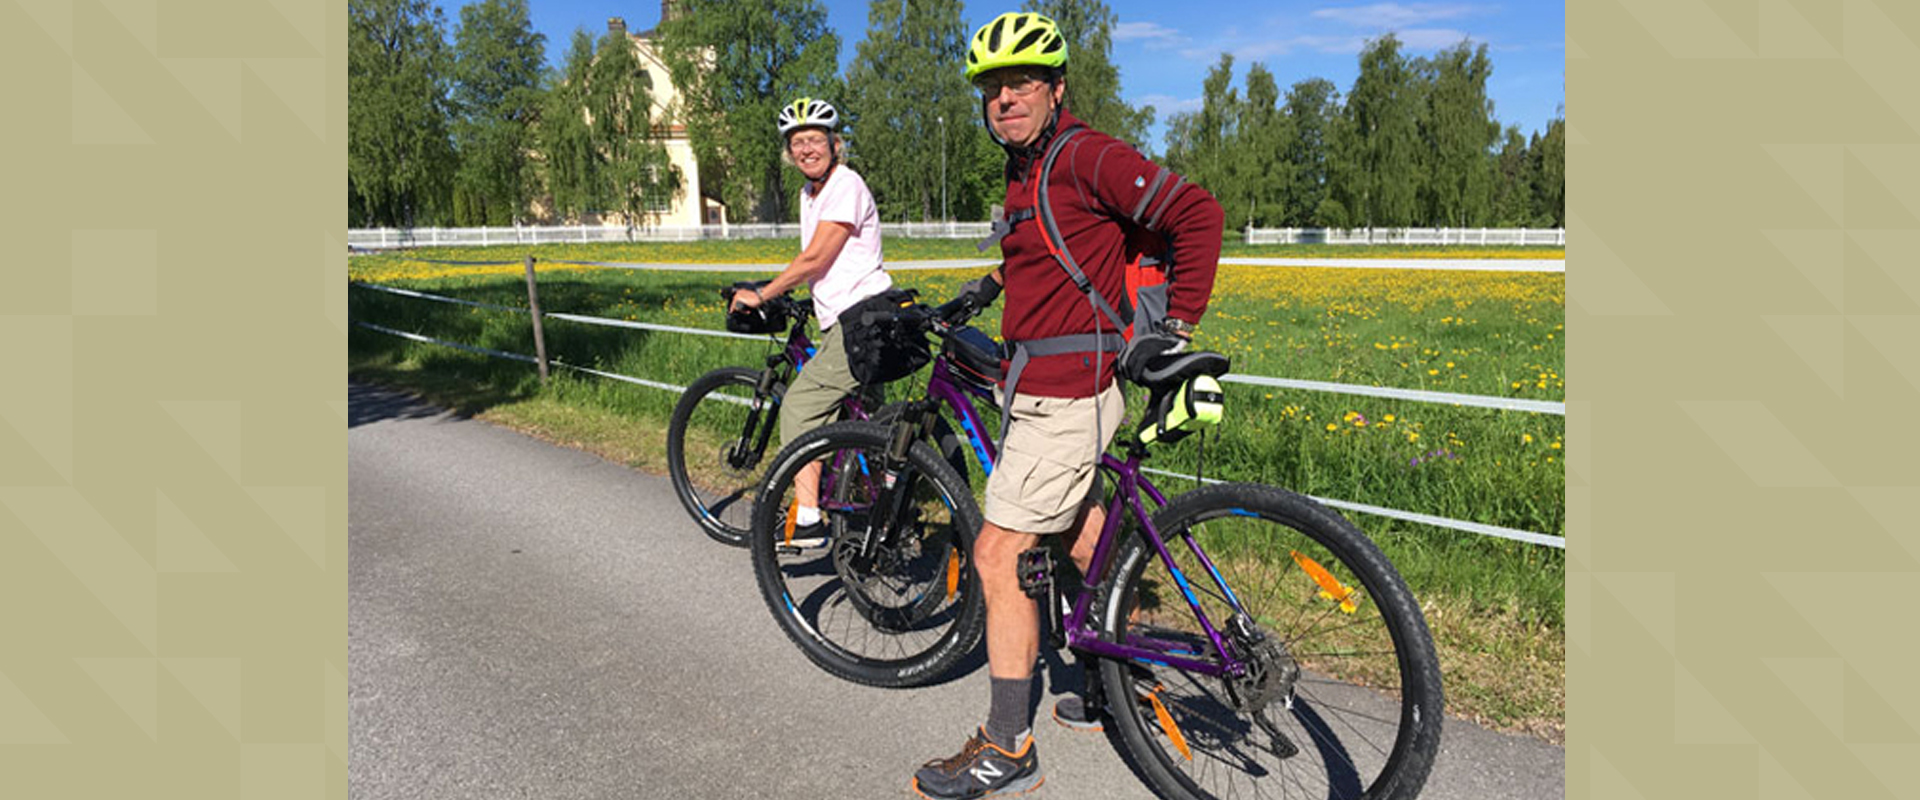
x=1330 y=587
x=953 y=573
x=1166 y=724
x=793 y=516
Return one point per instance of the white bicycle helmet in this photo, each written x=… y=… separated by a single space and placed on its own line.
x=807 y=112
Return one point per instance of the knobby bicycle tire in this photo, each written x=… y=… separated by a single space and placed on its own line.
x=1363 y=711
x=720 y=500
x=901 y=616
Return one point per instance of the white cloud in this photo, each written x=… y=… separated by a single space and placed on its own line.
x=1430 y=38
x=1394 y=15
x=1164 y=104
x=1152 y=34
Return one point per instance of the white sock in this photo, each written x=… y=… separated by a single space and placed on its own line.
x=809 y=515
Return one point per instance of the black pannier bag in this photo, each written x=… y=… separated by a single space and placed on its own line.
x=975 y=356
x=764 y=318
x=881 y=346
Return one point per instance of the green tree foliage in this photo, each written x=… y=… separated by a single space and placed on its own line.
x=1385 y=139
x=572 y=167
x=908 y=75
x=399 y=159
x=1199 y=142
x=635 y=174
x=1549 y=175
x=1260 y=152
x=735 y=64
x=496 y=74
x=1093 y=82
x=1512 y=182
x=1459 y=132
x=1311 y=108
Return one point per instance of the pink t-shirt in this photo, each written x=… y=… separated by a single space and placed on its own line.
x=857 y=273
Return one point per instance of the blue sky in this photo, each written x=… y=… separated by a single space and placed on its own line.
x=1163 y=49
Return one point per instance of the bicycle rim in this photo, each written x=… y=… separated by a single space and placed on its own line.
x=1345 y=701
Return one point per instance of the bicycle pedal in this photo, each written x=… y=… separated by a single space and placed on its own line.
x=1036 y=572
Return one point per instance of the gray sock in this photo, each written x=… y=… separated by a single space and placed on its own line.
x=1009 y=716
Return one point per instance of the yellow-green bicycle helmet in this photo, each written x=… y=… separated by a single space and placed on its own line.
x=1016 y=39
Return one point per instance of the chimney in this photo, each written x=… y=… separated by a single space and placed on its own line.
x=617 y=25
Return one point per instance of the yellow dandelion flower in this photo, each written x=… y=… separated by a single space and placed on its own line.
x=1389 y=418
x=1331 y=426
x=1436 y=372
x=1526 y=438
x=1555 y=445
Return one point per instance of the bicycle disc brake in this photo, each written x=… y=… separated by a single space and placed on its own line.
x=1271 y=674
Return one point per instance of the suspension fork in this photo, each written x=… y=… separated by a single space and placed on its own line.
x=890 y=506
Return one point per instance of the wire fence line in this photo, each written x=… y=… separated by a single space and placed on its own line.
x=1414 y=395
x=388 y=238
x=1468 y=526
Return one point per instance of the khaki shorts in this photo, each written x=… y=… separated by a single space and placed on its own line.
x=1048 y=465
x=814 y=398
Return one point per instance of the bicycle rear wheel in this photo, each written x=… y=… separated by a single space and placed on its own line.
x=878 y=608
x=1343 y=698
x=715 y=443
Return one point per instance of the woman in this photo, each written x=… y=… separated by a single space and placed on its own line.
x=840 y=264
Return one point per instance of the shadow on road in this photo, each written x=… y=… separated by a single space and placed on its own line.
x=368 y=403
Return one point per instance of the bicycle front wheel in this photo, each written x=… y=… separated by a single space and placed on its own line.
x=888 y=596
x=715 y=442
x=1341 y=697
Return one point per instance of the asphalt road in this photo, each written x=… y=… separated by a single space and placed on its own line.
x=529 y=621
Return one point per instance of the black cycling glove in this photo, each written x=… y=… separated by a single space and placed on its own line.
x=1143 y=349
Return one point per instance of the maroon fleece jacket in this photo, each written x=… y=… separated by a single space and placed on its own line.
x=1100 y=186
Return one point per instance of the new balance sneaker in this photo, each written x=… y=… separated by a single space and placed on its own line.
x=980 y=769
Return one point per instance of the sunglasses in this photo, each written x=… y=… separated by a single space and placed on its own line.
x=1023 y=84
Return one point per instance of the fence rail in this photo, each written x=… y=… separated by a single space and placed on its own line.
x=388 y=238
x=1440 y=236
x=1468 y=526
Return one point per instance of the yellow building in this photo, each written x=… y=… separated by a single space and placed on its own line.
x=687 y=207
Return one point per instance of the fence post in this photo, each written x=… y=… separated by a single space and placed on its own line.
x=539 y=336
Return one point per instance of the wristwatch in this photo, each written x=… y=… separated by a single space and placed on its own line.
x=1177 y=327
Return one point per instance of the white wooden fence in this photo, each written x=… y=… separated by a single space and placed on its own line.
x=1455 y=236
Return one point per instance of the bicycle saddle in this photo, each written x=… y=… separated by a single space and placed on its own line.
x=1166 y=372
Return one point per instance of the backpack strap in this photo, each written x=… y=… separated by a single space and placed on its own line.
x=1003 y=224
x=1057 y=244
x=1023 y=351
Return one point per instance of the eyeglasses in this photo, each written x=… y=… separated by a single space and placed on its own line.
x=807 y=143
x=1023 y=84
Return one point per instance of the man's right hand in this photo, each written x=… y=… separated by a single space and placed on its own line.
x=979 y=292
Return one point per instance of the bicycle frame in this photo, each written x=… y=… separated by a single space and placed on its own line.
x=942 y=389
x=1083 y=634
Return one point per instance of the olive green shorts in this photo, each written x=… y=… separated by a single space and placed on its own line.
x=814 y=398
x=1048 y=465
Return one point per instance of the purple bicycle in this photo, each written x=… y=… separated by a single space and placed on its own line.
x=1246 y=640
x=721 y=427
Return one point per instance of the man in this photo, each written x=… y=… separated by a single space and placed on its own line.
x=840 y=263
x=1063 y=407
